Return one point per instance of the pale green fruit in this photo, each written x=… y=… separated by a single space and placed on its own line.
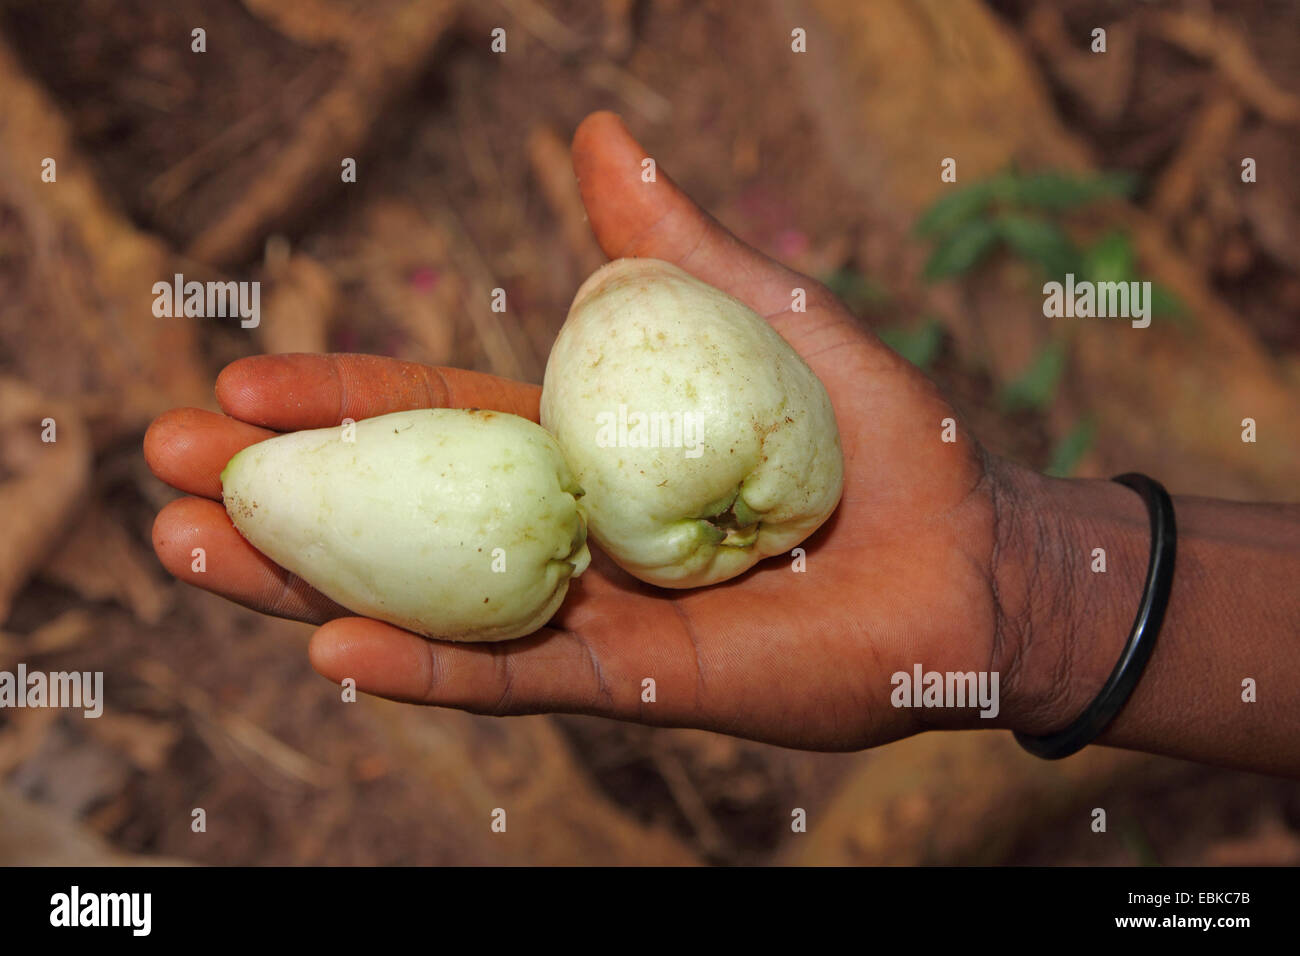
x=456 y=524
x=703 y=441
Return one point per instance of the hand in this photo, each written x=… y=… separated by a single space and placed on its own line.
x=902 y=574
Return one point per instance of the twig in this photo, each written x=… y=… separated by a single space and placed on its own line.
x=237 y=728
x=489 y=326
x=234 y=139
x=384 y=62
x=542 y=24
x=1228 y=50
x=688 y=799
x=548 y=156
x=1203 y=143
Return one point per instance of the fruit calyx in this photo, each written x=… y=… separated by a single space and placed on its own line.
x=735 y=523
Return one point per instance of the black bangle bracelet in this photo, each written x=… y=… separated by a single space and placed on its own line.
x=1141 y=640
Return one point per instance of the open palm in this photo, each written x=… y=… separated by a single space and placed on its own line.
x=899 y=576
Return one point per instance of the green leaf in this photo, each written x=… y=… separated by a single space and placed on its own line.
x=1057 y=191
x=956 y=208
x=1069 y=451
x=1040 y=241
x=962 y=250
x=855 y=290
x=1036 y=387
x=1164 y=302
x=919 y=346
x=1110 y=259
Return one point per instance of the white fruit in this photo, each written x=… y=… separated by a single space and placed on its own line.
x=456 y=524
x=702 y=440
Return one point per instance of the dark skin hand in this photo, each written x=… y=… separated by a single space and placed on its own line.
x=939 y=554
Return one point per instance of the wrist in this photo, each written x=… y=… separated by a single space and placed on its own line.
x=1068 y=564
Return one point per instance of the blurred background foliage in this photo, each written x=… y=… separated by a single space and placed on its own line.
x=1116 y=166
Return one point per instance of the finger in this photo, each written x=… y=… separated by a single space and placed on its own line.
x=631 y=217
x=231 y=567
x=293 y=392
x=545 y=672
x=189 y=447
